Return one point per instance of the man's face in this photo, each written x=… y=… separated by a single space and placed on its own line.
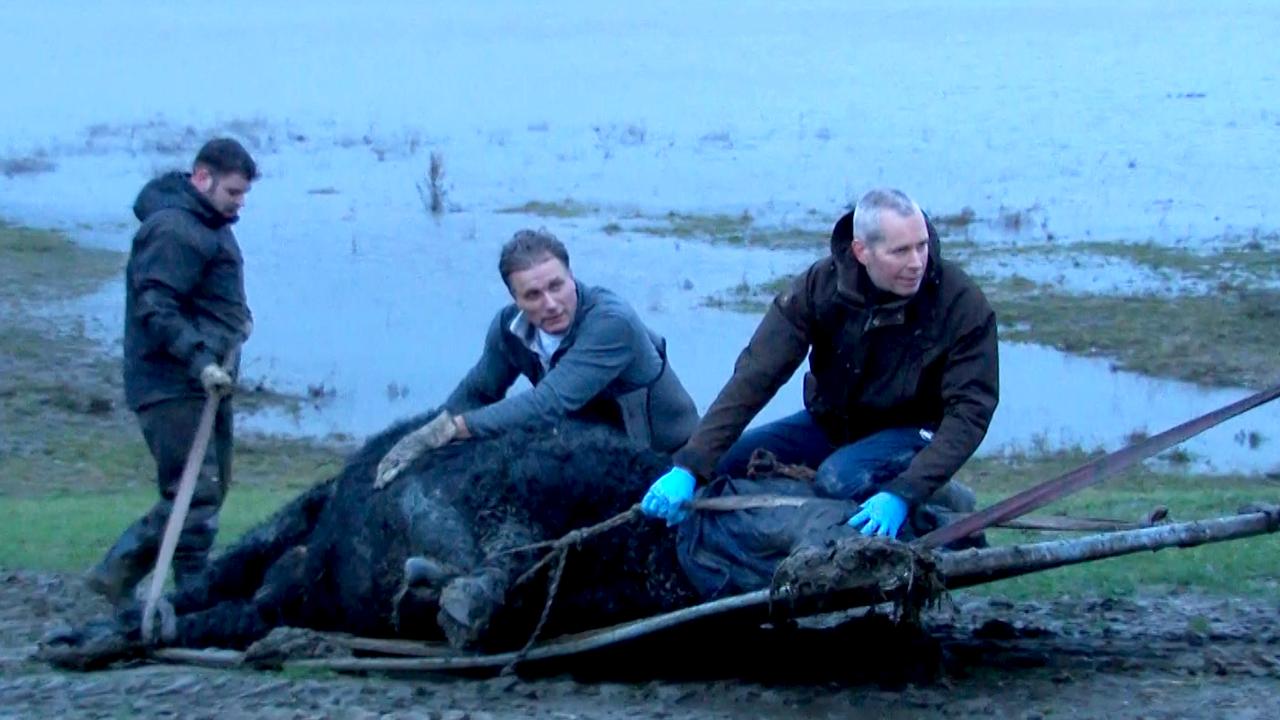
x=896 y=263
x=225 y=192
x=547 y=295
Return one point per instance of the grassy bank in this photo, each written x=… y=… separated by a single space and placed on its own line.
x=1241 y=567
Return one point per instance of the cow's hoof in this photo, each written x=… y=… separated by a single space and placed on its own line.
x=467 y=604
x=283 y=579
x=421 y=570
x=94 y=645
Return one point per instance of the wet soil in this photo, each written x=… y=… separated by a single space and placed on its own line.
x=1155 y=657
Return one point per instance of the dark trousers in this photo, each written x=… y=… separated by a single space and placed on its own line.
x=169 y=428
x=853 y=472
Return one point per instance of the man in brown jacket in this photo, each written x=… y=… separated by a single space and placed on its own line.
x=902 y=382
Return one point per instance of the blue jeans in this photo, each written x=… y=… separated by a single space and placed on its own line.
x=853 y=472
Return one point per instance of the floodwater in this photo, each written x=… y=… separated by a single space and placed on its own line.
x=1104 y=120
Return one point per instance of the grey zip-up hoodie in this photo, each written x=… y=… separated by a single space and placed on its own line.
x=185 y=304
x=609 y=367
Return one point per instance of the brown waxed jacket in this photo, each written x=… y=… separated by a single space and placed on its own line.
x=928 y=361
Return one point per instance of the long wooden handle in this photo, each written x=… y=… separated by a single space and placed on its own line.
x=178 y=513
x=181 y=504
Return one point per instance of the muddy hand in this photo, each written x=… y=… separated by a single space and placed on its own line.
x=439 y=432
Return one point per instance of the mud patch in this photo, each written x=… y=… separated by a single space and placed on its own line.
x=1171 y=656
x=872 y=568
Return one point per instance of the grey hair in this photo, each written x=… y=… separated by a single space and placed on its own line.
x=528 y=248
x=866 y=216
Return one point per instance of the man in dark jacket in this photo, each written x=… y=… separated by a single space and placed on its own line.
x=185 y=318
x=902 y=382
x=584 y=349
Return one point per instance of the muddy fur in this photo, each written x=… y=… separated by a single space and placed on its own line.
x=506 y=492
x=334 y=558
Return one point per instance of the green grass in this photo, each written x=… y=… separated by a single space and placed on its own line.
x=41 y=265
x=1240 y=567
x=74 y=470
x=69 y=532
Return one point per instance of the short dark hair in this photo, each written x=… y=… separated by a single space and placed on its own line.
x=528 y=248
x=224 y=156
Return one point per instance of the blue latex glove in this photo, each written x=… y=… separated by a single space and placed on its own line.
x=882 y=514
x=667 y=496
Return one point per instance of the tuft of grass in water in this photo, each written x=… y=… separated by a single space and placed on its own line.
x=26 y=165
x=567 y=208
x=721 y=227
x=956 y=221
x=745 y=297
x=731 y=229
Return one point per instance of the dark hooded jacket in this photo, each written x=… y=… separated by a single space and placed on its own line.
x=185 y=305
x=876 y=361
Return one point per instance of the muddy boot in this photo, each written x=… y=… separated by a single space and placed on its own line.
x=190 y=558
x=125 y=564
x=467 y=606
x=188 y=573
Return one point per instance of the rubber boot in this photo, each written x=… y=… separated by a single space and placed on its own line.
x=128 y=561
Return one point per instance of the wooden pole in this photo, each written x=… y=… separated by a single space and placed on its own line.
x=182 y=504
x=958 y=569
x=975 y=567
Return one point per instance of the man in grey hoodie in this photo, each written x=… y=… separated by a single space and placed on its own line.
x=185 y=316
x=585 y=351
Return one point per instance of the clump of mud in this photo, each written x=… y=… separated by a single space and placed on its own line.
x=858 y=571
x=288 y=643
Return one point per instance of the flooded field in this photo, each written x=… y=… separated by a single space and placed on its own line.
x=1150 y=126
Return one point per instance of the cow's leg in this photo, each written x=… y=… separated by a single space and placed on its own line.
x=238 y=573
x=442 y=543
x=469 y=603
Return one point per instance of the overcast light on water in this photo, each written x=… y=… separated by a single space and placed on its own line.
x=1109 y=120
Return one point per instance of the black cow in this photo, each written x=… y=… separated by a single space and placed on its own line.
x=441 y=551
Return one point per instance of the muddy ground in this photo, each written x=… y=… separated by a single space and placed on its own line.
x=1154 y=657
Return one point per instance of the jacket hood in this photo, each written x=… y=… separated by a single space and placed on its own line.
x=852 y=276
x=174 y=190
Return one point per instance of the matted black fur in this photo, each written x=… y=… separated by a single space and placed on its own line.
x=333 y=559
